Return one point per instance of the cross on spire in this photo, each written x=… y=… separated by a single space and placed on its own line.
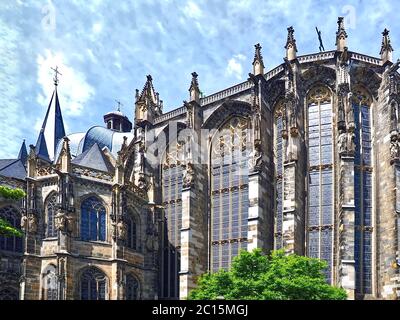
x=119 y=104
x=56 y=73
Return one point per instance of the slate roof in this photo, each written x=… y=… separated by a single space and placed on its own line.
x=12 y=168
x=94 y=158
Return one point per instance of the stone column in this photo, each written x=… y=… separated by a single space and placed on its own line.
x=194 y=228
x=346 y=220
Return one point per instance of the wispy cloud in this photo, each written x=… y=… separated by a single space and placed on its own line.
x=76 y=91
x=234 y=67
x=104 y=51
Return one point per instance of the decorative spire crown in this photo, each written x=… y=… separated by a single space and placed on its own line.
x=194 y=88
x=386 y=48
x=291 y=41
x=341 y=35
x=258 y=63
x=291 y=47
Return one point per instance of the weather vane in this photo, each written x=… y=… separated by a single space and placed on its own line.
x=321 y=45
x=119 y=105
x=56 y=73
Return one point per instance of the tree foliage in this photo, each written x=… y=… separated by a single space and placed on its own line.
x=6 y=229
x=254 y=276
x=11 y=194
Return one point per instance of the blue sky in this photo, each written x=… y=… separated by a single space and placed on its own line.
x=105 y=49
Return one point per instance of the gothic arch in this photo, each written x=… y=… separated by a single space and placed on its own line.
x=361 y=95
x=50 y=205
x=49 y=282
x=228 y=109
x=228 y=196
x=366 y=77
x=133 y=287
x=13 y=215
x=93 y=284
x=319 y=75
x=102 y=217
x=134 y=228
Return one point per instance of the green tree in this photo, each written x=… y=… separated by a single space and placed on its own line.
x=254 y=276
x=6 y=229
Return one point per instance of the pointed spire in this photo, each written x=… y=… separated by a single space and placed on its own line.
x=194 y=88
x=386 y=48
x=148 y=103
x=23 y=153
x=52 y=130
x=291 y=47
x=258 y=64
x=65 y=156
x=341 y=35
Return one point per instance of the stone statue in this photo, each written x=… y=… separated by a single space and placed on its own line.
x=32 y=224
x=351 y=146
x=24 y=223
x=121 y=230
x=60 y=221
x=342 y=141
x=394 y=147
x=188 y=175
x=257 y=160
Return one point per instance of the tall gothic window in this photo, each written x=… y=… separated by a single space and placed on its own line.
x=8 y=294
x=363 y=171
x=51 y=211
x=133 y=232
x=320 y=177
x=132 y=288
x=229 y=192
x=93 y=220
x=278 y=153
x=50 y=283
x=172 y=175
x=93 y=285
x=12 y=216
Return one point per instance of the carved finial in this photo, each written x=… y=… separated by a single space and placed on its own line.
x=290 y=46
x=341 y=35
x=137 y=95
x=386 y=48
x=194 y=88
x=258 y=63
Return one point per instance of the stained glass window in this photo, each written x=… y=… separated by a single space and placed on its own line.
x=278 y=152
x=8 y=294
x=93 y=220
x=172 y=176
x=363 y=175
x=320 y=178
x=51 y=211
x=132 y=287
x=229 y=193
x=13 y=217
x=93 y=285
x=132 y=232
x=50 y=283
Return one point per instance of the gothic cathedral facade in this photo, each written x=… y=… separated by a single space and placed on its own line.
x=303 y=158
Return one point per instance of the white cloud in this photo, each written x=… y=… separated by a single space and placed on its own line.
x=192 y=10
x=74 y=91
x=234 y=67
x=97 y=27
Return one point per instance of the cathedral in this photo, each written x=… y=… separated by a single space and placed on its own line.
x=304 y=157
